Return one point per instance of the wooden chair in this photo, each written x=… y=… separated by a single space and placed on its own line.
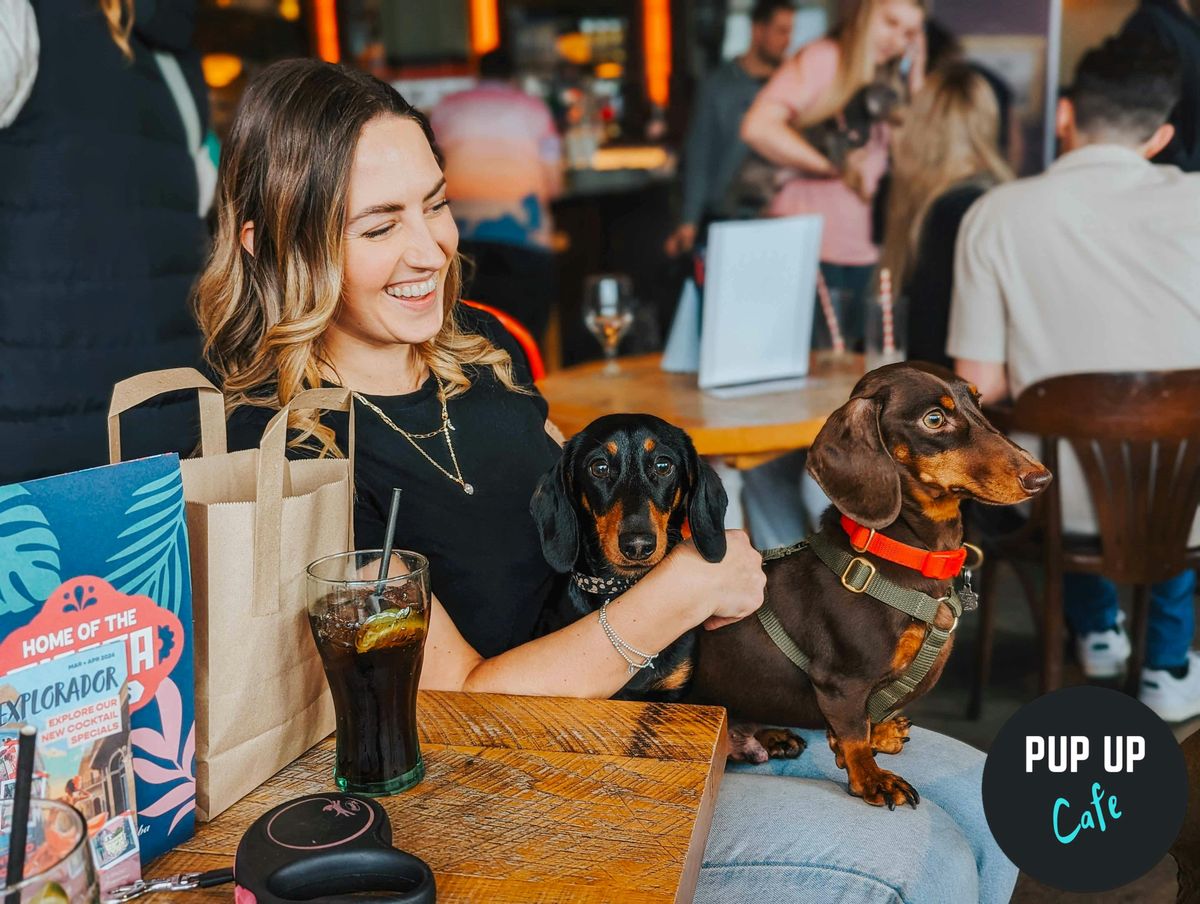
x=1137 y=438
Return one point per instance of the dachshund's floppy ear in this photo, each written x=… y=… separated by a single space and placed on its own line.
x=706 y=508
x=555 y=516
x=850 y=463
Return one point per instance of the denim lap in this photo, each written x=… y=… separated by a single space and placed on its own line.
x=789 y=826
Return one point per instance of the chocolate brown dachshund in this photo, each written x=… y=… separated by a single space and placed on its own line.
x=899 y=457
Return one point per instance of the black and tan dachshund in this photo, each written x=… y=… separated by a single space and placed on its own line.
x=898 y=458
x=612 y=508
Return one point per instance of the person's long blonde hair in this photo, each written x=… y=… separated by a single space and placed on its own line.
x=286 y=168
x=118 y=14
x=856 y=59
x=949 y=135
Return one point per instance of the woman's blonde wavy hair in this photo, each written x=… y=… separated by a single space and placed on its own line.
x=856 y=60
x=286 y=168
x=118 y=14
x=949 y=135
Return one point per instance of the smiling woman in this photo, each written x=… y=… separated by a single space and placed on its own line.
x=312 y=254
x=336 y=262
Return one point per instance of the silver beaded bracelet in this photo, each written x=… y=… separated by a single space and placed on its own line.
x=622 y=647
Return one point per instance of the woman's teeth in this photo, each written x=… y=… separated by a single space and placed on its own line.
x=413 y=290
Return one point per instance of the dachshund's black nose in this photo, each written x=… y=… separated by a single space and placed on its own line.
x=1033 y=482
x=637 y=547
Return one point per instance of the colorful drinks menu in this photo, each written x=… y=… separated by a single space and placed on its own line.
x=96 y=649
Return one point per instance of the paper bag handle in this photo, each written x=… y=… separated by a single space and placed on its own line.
x=274 y=482
x=142 y=388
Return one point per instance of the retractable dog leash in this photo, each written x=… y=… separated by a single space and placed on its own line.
x=328 y=848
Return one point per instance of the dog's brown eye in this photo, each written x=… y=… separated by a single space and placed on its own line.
x=663 y=467
x=934 y=419
x=599 y=468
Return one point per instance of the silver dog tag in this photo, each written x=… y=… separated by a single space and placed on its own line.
x=970 y=599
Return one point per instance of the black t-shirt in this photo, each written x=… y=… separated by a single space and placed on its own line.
x=485 y=558
x=930 y=287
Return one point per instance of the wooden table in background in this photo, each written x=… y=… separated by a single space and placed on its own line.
x=525 y=799
x=746 y=431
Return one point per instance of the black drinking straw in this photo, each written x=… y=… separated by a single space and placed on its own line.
x=26 y=744
x=389 y=538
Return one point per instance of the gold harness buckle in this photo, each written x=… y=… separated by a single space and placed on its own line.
x=872 y=571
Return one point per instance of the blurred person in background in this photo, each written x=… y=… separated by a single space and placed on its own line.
x=503 y=166
x=102 y=111
x=1173 y=23
x=714 y=147
x=876 y=39
x=943 y=49
x=944 y=157
x=1092 y=266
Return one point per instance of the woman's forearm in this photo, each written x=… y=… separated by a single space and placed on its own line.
x=579 y=660
x=765 y=128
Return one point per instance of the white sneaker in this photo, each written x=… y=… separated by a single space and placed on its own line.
x=1174 y=699
x=1103 y=654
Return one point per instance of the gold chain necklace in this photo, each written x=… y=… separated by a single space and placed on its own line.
x=445 y=429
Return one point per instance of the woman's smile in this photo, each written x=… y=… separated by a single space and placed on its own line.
x=416 y=296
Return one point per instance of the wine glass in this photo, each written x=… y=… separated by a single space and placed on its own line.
x=608 y=313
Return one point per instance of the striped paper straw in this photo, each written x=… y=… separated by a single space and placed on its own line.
x=885 y=304
x=831 y=321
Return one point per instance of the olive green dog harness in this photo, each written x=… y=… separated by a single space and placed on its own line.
x=859 y=576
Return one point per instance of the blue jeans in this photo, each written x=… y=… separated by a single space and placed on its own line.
x=1090 y=604
x=788 y=831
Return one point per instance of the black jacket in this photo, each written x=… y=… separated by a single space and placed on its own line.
x=100 y=238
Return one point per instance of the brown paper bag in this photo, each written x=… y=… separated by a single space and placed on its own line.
x=255 y=521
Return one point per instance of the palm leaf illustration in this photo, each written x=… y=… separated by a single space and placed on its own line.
x=153 y=563
x=29 y=563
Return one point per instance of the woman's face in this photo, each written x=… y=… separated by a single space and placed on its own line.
x=400 y=237
x=895 y=25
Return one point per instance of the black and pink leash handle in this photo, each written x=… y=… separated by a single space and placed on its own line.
x=330 y=848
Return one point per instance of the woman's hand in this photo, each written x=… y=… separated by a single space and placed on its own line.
x=725 y=591
x=854 y=175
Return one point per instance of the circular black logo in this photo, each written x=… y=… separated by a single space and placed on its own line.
x=1085 y=789
x=320 y=821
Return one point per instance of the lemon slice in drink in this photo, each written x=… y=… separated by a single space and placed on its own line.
x=390 y=628
x=52 y=893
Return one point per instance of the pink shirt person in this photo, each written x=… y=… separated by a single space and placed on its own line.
x=799 y=85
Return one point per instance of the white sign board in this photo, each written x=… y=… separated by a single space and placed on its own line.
x=760 y=279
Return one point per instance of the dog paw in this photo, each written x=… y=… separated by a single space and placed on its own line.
x=780 y=743
x=890 y=736
x=885 y=789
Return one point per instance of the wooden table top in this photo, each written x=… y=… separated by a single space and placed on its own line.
x=525 y=799
x=747 y=430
